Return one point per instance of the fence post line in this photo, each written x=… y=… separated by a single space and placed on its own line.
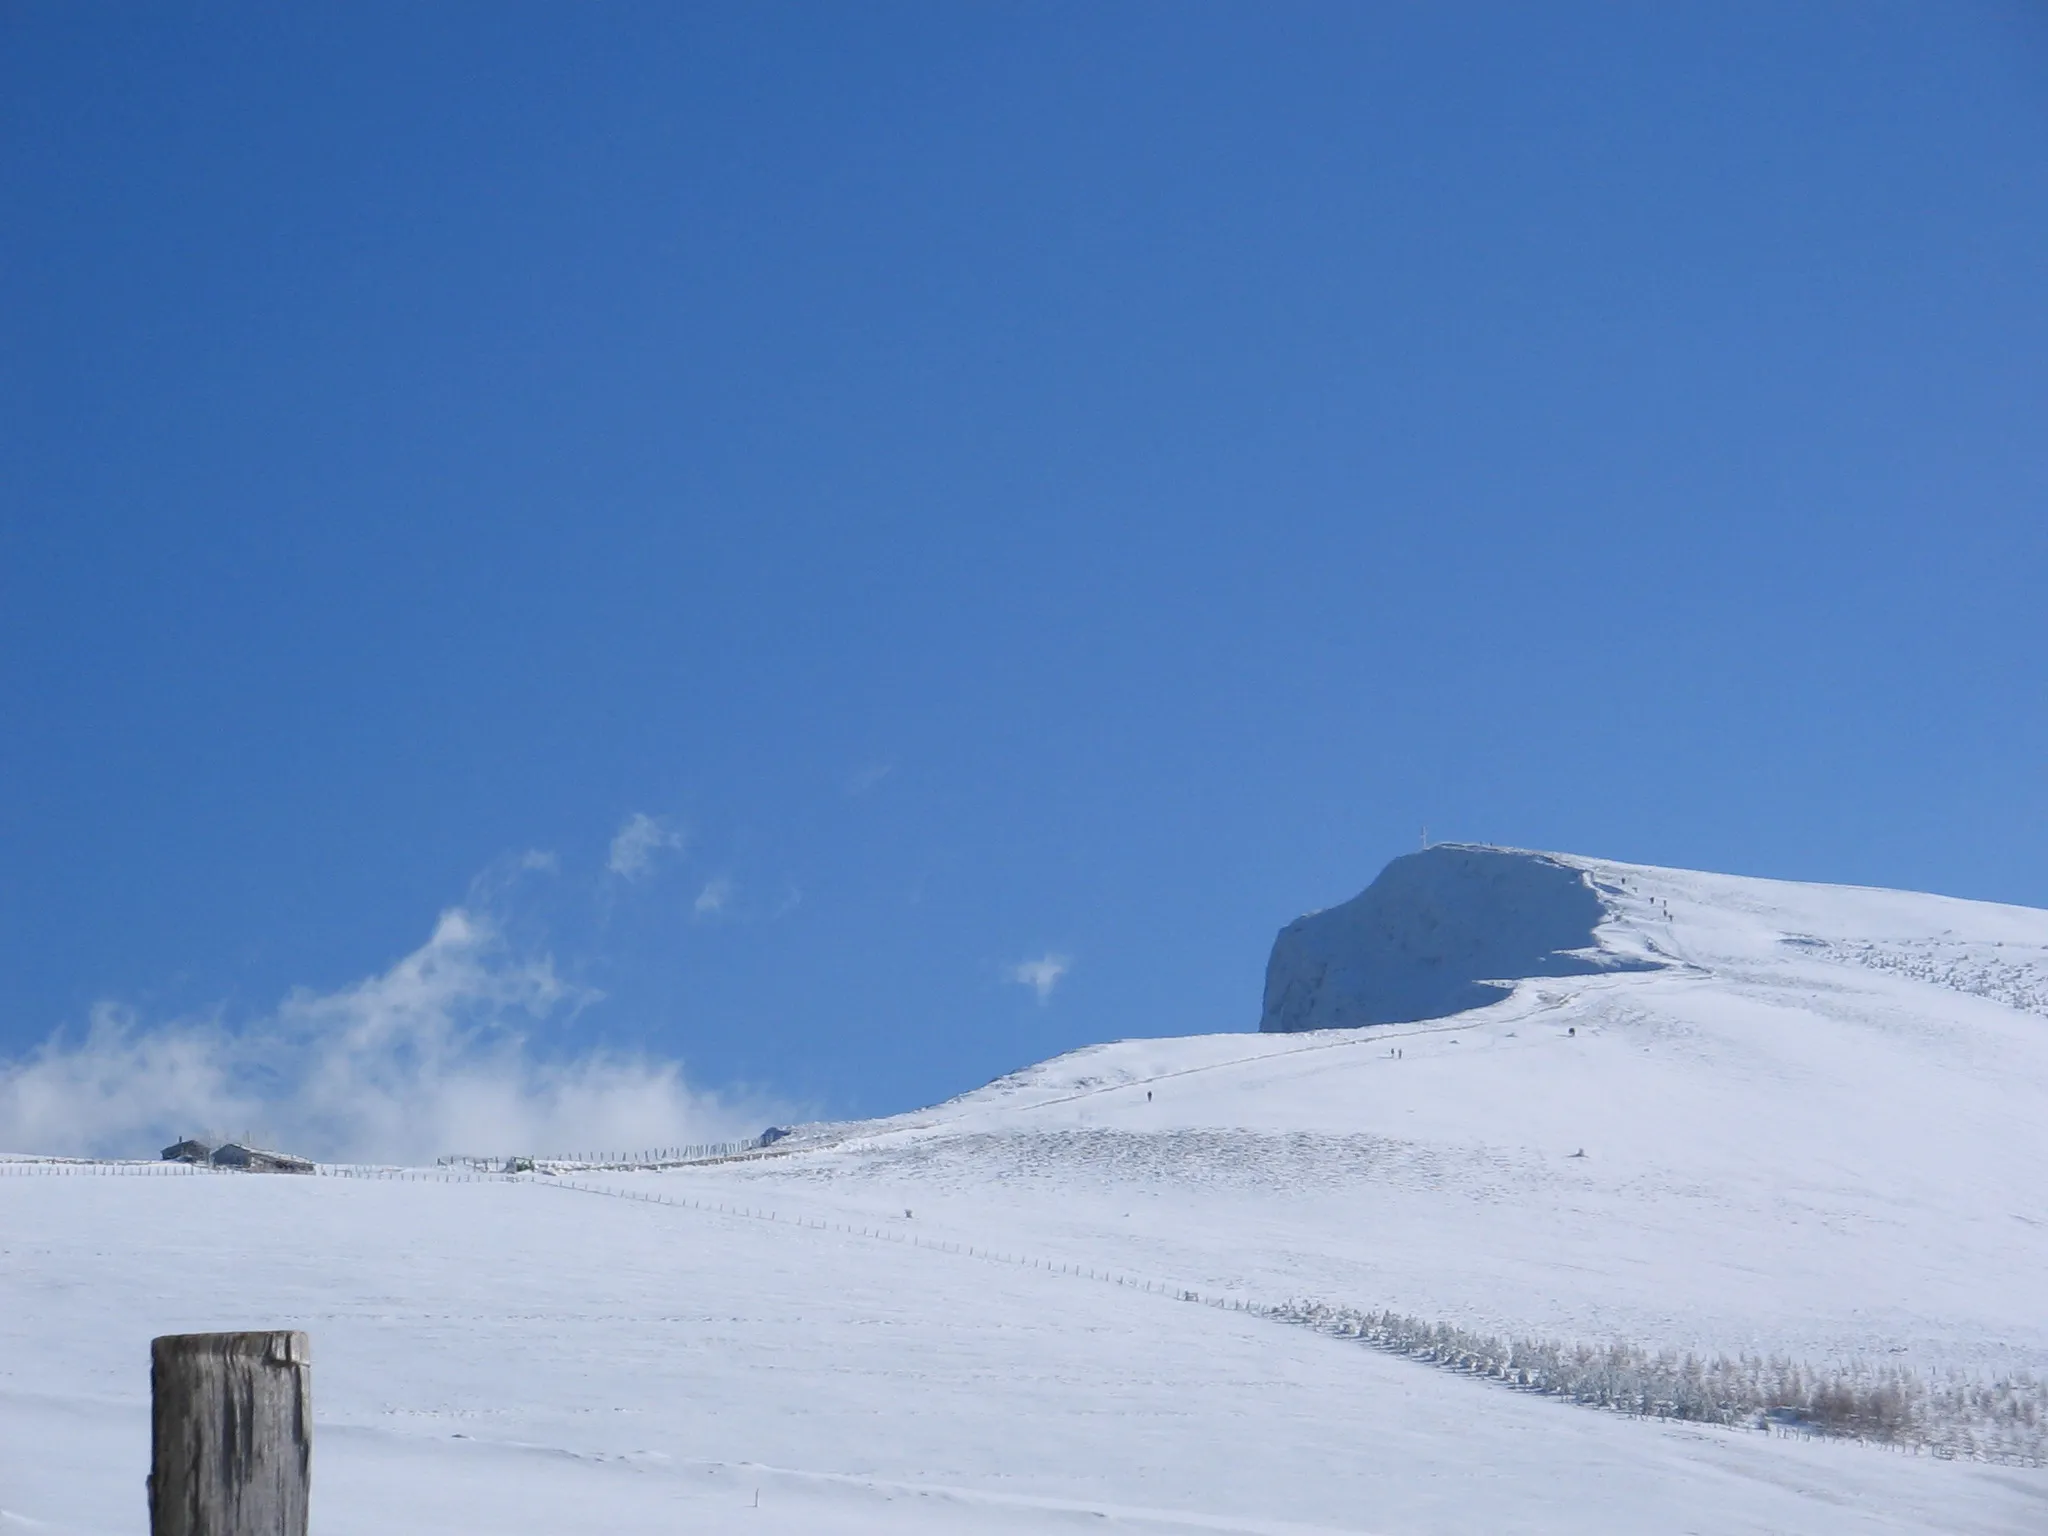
x=231 y=1419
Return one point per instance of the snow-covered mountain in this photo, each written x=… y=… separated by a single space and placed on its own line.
x=1797 y=1131
x=1442 y=931
x=1704 y=1112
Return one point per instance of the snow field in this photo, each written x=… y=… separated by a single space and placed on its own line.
x=495 y=1355
x=1811 y=1136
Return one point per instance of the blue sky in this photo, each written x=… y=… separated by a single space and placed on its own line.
x=992 y=485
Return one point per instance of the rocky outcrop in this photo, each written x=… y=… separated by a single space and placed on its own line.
x=1439 y=932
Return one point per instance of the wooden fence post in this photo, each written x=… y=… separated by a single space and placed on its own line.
x=232 y=1425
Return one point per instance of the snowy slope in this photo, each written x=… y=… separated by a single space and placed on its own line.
x=1819 y=1126
x=1812 y=1127
x=519 y=1359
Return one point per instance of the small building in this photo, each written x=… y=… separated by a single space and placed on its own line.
x=188 y=1151
x=253 y=1160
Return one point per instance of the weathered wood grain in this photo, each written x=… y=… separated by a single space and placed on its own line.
x=232 y=1424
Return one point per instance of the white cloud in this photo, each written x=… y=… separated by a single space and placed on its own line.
x=1041 y=975
x=429 y=1057
x=712 y=900
x=637 y=842
x=867 y=778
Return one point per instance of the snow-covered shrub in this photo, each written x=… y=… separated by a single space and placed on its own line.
x=2000 y=1419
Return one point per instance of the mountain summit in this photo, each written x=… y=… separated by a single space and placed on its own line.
x=1440 y=932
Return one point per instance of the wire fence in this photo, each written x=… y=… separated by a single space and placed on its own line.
x=650 y=1158
x=50 y=1167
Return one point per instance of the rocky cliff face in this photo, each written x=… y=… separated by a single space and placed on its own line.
x=1439 y=932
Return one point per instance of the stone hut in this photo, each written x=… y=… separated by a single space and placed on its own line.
x=253 y=1160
